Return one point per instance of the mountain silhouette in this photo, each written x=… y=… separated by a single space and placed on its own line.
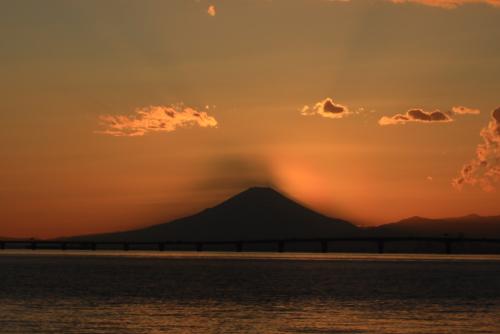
x=466 y=226
x=256 y=213
x=7 y=238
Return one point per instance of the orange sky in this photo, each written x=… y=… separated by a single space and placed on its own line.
x=122 y=114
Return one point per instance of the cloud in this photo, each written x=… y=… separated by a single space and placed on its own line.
x=461 y=110
x=449 y=4
x=154 y=119
x=416 y=115
x=212 y=11
x=484 y=169
x=446 y=4
x=326 y=108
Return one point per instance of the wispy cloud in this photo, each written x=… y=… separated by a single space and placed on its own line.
x=326 y=108
x=484 y=169
x=449 y=4
x=154 y=119
x=416 y=115
x=212 y=11
x=446 y=4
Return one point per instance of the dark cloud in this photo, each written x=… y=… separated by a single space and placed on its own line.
x=416 y=115
x=326 y=108
x=333 y=108
x=496 y=115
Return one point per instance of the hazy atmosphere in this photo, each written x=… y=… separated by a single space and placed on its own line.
x=124 y=114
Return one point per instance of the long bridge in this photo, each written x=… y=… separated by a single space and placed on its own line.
x=237 y=246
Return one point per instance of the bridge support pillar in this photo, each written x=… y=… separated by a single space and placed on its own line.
x=324 y=246
x=448 y=247
x=281 y=246
x=239 y=247
x=199 y=247
x=381 y=246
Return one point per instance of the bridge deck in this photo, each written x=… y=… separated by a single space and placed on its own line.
x=239 y=244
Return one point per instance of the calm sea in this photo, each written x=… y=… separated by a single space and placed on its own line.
x=134 y=292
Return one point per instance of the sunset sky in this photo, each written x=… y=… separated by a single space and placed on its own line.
x=122 y=114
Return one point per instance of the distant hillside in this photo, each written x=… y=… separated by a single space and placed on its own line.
x=467 y=226
x=9 y=238
x=257 y=213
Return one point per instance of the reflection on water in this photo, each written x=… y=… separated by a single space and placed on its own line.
x=143 y=292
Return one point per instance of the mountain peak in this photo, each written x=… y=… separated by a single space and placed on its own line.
x=254 y=214
x=256 y=195
x=260 y=189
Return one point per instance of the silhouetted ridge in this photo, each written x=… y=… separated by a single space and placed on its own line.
x=256 y=213
x=471 y=225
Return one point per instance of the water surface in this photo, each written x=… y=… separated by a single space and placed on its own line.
x=148 y=292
